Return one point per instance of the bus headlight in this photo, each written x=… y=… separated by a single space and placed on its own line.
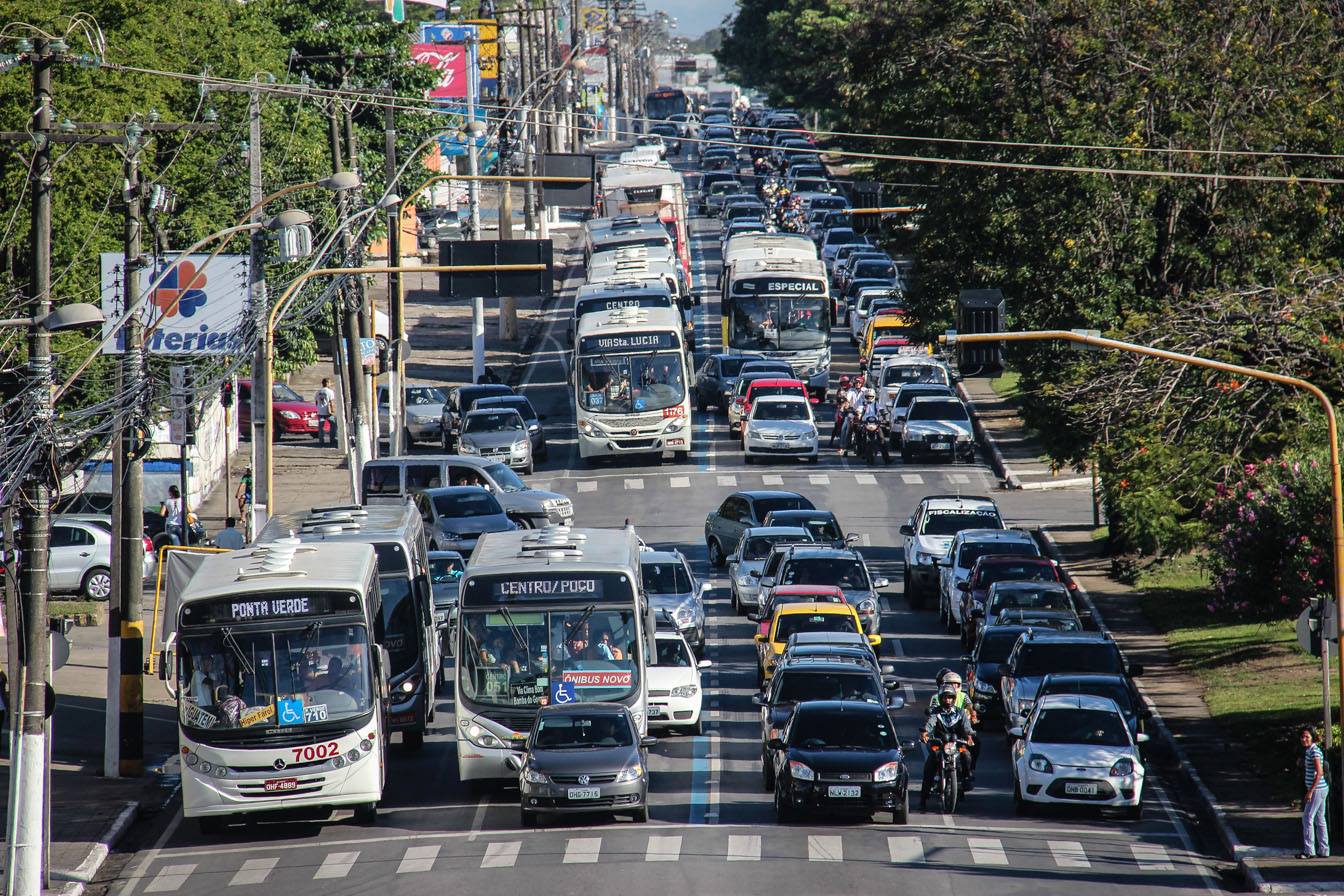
x=365 y=745
x=677 y=424
x=207 y=767
x=192 y=759
x=221 y=771
x=589 y=428
x=354 y=755
x=480 y=737
x=338 y=761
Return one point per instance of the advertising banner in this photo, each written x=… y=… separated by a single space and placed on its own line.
x=199 y=310
x=450 y=61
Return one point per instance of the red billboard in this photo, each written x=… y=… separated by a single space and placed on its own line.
x=450 y=61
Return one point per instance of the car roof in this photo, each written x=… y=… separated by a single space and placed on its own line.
x=832 y=706
x=1085 y=676
x=481 y=412
x=1003 y=631
x=830 y=639
x=499 y=401
x=1078 y=701
x=646 y=557
x=776 y=382
x=801 y=514
x=831 y=664
x=555 y=709
x=941 y=502
x=1016 y=585
x=821 y=550
x=758 y=494
x=786 y=590
x=999 y=535
x=807 y=607
x=991 y=559
x=775 y=530
x=1053 y=637
x=452 y=491
x=782 y=399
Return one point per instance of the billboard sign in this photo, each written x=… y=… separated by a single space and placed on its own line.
x=199 y=310
x=450 y=62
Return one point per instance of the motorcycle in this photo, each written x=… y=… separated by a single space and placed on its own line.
x=870 y=431
x=950 y=778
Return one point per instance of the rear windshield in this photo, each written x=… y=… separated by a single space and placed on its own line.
x=1080 y=726
x=794 y=623
x=798 y=502
x=912 y=373
x=950 y=522
x=1015 y=572
x=1097 y=687
x=799 y=685
x=973 y=552
x=758 y=546
x=843 y=572
x=732 y=366
x=1042 y=659
x=665 y=578
x=781 y=410
x=938 y=410
x=1033 y=599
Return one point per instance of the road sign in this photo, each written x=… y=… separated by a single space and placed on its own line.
x=493 y=284
x=564 y=164
x=1329 y=625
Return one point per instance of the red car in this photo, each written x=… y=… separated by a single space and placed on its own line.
x=741 y=408
x=292 y=414
x=993 y=568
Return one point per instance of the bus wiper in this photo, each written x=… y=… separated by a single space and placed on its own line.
x=517 y=633
x=232 y=642
x=578 y=623
x=312 y=631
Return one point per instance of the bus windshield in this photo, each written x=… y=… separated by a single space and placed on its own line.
x=525 y=658
x=621 y=383
x=777 y=323
x=307 y=675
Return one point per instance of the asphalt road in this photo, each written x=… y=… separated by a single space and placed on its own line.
x=712 y=829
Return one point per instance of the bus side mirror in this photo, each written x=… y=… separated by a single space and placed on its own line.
x=383 y=664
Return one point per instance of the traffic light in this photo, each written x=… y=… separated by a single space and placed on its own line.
x=226 y=394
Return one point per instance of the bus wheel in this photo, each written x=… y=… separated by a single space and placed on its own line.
x=366 y=814
x=211 y=825
x=413 y=740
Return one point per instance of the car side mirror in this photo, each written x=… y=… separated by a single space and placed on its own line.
x=775 y=743
x=704 y=664
x=881 y=583
x=853 y=538
x=895 y=701
x=753 y=617
x=874 y=641
x=646 y=742
x=908 y=530
x=768 y=582
x=1135 y=670
x=758 y=700
x=909 y=745
x=1141 y=738
x=1015 y=731
x=759 y=638
x=887 y=668
x=755 y=573
x=964 y=587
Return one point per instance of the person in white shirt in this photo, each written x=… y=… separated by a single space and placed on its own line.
x=325 y=399
x=171 y=511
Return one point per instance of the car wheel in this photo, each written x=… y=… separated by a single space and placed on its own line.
x=906 y=456
x=1134 y=813
x=783 y=811
x=97 y=584
x=528 y=819
x=527 y=471
x=716 y=558
x=697 y=729
x=747 y=458
x=767 y=775
x=901 y=814
x=737 y=606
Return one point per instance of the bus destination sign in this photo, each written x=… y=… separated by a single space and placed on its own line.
x=535 y=588
x=641 y=300
x=628 y=342
x=779 y=286
x=268 y=608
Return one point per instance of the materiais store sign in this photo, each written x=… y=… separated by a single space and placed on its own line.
x=195 y=309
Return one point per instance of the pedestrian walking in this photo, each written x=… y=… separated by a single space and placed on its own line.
x=171 y=511
x=1316 y=777
x=325 y=399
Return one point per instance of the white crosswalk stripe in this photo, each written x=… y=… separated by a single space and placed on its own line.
x=680 y=482
x=905 y=850
x=728 y=481
x=825 y=849
x=865 y=479
x=959 y=477
x=1151 y=856
x=170 y=878
x=663 y=849
x=586 y=485
x=744 y=848
x=819 y=479
x=1069 y=854
x=987 y=850
x=582 y=850
x=254 y=871
x=912 y=479
x=501 y=855
x=418 y=859
x=772 y=479
x=634 y=485
x=335 y=865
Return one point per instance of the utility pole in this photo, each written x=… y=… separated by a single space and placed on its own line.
x=508 y=305
x=609 y=37
x=396 y=413
x=530 y=138
x=124 y=723
x=575 y=82
x=261 y=369
x=474 y=203
x=27 y=843
x=364 y=311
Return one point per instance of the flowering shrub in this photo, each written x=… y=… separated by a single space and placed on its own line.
x=1270 y=526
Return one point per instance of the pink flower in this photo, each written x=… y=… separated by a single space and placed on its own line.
x=1249 y=469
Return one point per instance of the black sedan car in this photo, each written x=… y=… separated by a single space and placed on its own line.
x=716 y=379
x=840 y=757
x=982 y=668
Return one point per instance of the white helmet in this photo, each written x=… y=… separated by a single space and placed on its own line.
x=870 y=393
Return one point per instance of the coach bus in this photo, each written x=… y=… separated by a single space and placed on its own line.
x=781 y=308
x=664 y=102
x=280 y=684
x=630 y=376
x=553 y=615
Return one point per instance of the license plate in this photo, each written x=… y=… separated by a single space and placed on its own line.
x=584 y=793
x=279 y=785
x=1080 y=789
x=940 y=446
x=657 y=712
x=844 y=793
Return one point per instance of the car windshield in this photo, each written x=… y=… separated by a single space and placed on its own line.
x=465 y=505
x=1029 y=598
x=317 y=673
x=445 y=570
x=950 y=522
x=845 y=573
x=673 y=652
x=865 y=269
x=995 y=647
x=938 y=410
x=913 y=373
x=823 y=529
x=665 y=578
x=422 y=395
x=281 y=392
x=529 y=658
x=801 y=685
x=621 y=383
x=493 y=421
x=792 y=623
x=842 y=731
x=505 y=479
x=1080 y=726
x=781 y=410
x=905 y=396
x=973 y=551
x=1097 y=687
x=1015 y=572
x=840 y=236
x=517 y=403
x=581 y=731
x=1042 y=659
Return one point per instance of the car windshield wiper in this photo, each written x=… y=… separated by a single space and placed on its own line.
x=243 y=661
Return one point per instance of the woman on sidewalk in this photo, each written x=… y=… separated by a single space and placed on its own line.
x=1315 y=838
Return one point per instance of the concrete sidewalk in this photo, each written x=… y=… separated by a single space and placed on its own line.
x=1017 y=455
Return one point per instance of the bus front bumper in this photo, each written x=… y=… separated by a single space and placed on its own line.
x=641 y=443
x=355 y=782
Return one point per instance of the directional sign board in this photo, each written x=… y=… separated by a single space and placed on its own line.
x=493 y=284
x=568 y=195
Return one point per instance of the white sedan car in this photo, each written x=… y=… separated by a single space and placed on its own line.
x=80 y=559
x=674 y=684
x=1076 y=749
x=780 y=426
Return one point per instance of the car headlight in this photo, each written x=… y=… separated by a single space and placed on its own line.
x=1038 y=763
x=800 y=771
x=477 y=735
x=963 y=437
x=468 y=448
x=1123 y=768
x=745 y=582
x=686 y=614
x=924 y=559
x=532 y=776
x=421 y=419
x=889 y=772
x=867 y=606
x=289 y=415
x=685 y=690
x=630 y=774
x=677 y=424
x=913 y=435
x=520 y=446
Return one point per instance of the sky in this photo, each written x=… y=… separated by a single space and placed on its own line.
x=694 y=17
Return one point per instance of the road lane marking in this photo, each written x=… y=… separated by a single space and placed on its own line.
x=1069 y=854
x=825 y=849
x=336 y=865
x=818 y=479
x=663 y=849
x=715 y=773
x=959 y=477
x=865 y=479
x=586 y=485
x=744 y=848
x=680 y=482
x=772 y=479
x=418 y=859
x=912 y=479
x=501 y=855
x=699 y=802
x=634 y=485
x=582 y=850
x=905 y=850
x=170 y=878
x=254 y=871
x=478 y=818
x=1151 y=856
x=987 y=850
x=728 y=481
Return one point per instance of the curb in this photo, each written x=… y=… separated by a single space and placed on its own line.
x=1007 y=478
x=1243 y=855
x=82 y=876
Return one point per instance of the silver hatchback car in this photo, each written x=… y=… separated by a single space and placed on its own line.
x=497 y=434
x=81 y=556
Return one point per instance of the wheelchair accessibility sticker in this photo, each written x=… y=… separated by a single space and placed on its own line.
x=563 y=692
x=290 y=712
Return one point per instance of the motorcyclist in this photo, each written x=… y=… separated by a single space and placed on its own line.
x=947 y=724
x=858 y=407
x=876 y=413
x=841 y=412
x=946 y=677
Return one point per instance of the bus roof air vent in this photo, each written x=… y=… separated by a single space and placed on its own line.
x=570 y=553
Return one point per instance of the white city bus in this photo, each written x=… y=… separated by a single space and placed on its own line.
x=281 y=686
x=781 y=308
x=655 y=190
x=593 y=298
x=630 y=378
x=553 y=615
